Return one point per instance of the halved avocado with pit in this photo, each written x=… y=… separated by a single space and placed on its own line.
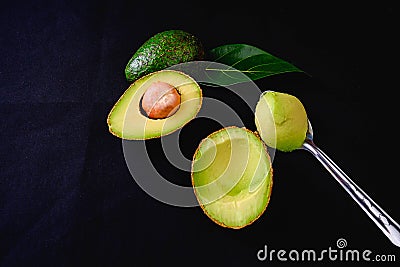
x=126 y=120
x=232 y=177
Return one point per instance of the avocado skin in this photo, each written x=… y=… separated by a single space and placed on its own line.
x=163 y=50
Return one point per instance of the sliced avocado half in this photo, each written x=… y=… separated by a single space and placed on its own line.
x=232 y=177
x=126 y=120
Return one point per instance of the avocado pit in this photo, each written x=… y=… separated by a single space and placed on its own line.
x=161 y=100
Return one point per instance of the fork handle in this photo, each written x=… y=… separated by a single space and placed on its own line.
x=388 y=226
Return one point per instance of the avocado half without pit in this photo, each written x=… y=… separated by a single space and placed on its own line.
x=169 y=98
x=232 y=177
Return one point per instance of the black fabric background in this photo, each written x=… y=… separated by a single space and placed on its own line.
x=66 y=195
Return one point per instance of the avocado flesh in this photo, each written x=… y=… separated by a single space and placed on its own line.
x=281 y=121
x=232 y=177
x=126 y=121
x=163 y=50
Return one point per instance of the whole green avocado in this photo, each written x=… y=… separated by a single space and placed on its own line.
x=164 y=50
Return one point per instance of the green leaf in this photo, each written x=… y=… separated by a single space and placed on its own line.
x=246 y=59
